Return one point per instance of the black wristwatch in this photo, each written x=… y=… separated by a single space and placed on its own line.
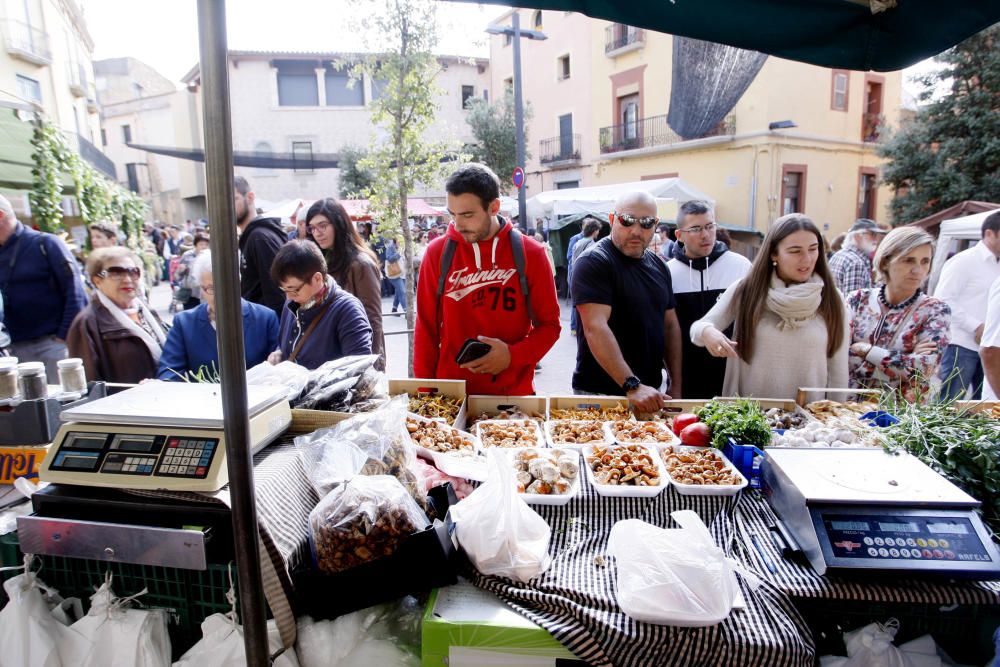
x=631 y=382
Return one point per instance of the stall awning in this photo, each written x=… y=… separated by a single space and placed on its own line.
x=15 y=153
x=250 y=158
x=600 y=199
x=416 y=208
x=881 y=35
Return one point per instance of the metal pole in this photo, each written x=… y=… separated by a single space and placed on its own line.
x=229 y=319
x=522 y=215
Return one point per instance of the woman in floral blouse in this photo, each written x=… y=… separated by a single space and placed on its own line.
x=898 y=333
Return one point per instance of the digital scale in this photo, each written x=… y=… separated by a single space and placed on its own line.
x=158 y=435
x=866 y=510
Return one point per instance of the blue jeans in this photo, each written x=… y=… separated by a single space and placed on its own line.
x=965 y=369
x=399 y=292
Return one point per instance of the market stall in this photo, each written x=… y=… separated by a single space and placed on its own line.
x=111 y=467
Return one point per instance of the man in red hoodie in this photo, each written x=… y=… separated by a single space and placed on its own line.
x=479 y=293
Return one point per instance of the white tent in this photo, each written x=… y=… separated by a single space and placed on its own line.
x=600 y=199
x=956 y=235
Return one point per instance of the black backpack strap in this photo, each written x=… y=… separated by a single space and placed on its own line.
x=447 y=254
x=517 y=248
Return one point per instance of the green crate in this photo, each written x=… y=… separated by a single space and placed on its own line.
x=188 y=596
x=965 y=632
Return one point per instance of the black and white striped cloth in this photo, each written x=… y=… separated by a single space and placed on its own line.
x=575 y=598
x=754 y=517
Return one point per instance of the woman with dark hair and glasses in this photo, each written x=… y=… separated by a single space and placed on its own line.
x=351 y=263
x=118 y=336
x=792 y=326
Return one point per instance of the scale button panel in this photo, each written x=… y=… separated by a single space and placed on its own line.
x=901 y=538
x=187 y=457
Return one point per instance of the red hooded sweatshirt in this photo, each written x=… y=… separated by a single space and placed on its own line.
x=482 y=297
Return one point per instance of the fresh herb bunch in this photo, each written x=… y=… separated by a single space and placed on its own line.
x=964 y=447
x=739 y=419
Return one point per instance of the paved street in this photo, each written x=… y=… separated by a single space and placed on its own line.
x=552 y=380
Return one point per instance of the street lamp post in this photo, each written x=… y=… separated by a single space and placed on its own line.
x=516 y=34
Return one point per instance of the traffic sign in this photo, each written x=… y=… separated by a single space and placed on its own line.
x=518 y=177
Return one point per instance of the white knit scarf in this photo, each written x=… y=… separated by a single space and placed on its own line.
x=794 y=303
x=155 y=342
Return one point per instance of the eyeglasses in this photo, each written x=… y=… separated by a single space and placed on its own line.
x=208 y=289
x=119 y=272
x=698 y=230
x=294 y=291
x=628 y=220
x=318 y=227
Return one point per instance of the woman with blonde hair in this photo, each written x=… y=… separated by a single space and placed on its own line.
x=118 y=336
x=898 y=333
x=791 y=322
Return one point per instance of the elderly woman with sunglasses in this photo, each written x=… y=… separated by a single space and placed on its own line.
x=118 y=336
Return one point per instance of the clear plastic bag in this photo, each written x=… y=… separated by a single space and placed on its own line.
x=361 y=521
x=221 y=645
x=339 y=383
x=673 y=576
x=499 y=532
x=386 y=635
x=332 y=455
x=288 y=374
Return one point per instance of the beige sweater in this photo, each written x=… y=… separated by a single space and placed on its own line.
x=783 y=360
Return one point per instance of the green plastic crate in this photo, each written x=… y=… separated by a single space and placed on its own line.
x=188 y=596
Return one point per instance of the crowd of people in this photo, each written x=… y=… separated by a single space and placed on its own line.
x=654 y=316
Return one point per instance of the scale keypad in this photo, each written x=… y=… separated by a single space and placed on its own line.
x=128 y=464
x=187 y=457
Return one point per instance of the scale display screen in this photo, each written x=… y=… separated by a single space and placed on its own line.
x=77 y=461
x=890 y=540
x=85 y=441
x=143 y=444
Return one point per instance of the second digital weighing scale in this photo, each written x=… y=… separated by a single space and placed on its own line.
x=865 y=510
x=158 y=435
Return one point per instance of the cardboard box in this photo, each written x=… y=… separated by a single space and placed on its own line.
x=991 y=408
x=582 y=402
x=417 y=386
x=493 y=405
x=307 y=421
x=21 y=462
x=465 y=626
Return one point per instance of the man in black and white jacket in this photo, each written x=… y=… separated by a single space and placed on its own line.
x=701 y=268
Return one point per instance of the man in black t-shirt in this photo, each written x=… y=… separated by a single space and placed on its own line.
x=623 y=294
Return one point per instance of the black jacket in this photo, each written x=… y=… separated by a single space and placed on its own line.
x=259 y=243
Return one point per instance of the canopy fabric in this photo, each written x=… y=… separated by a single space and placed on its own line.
x=954 y=236
x=600 y=199
x=417 y=208
x=932 y=223
x=15 y=154
x=249 y=159
x=708 y=79
x=881 y=35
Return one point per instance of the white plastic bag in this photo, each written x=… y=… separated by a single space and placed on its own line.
x=30 y=636
x=120 y=636
x=872 y=646
x=291 y=375
x=221 y=645
x=499 y=532
x=673 y=576
x=386 y=635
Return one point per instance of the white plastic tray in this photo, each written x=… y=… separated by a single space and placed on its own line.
x=540 y=436
x=609 y=432
x=550 y=499
x=452 y=463
x=429 y=453
x=552 y=423
x=703 y=489
x=627 y=490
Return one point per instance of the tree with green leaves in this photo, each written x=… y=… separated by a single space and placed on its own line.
x=354 y=180
x=402 y=158
x=496 y=137
x=950 y=151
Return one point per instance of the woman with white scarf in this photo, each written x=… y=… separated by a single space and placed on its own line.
x=117 y=335
x=792 y=326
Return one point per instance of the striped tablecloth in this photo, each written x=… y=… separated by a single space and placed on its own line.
x=575 y=598
x=753 y=516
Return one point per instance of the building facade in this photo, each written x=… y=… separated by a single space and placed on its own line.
x=305 y=106
x=801 y=138
x=138 y=107
x=46 y=70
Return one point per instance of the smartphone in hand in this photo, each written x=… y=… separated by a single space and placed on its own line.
x=471 y=350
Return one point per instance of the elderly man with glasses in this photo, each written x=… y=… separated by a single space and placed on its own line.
x=623 y=294
x=701 y=269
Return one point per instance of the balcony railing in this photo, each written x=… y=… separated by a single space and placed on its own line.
x=26 y=42
x=78 y=79
x=870 y=124
x=617 y=36
x=95 y=157
x=650 y=132
x=563 y=148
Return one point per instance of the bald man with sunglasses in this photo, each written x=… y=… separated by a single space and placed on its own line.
x=623 y=294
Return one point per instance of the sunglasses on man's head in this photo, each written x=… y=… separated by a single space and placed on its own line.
x=119 y=272
x=629 y=220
